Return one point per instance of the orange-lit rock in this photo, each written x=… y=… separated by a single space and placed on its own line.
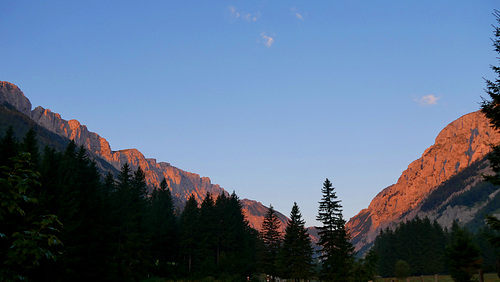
x=12 y=95
x=462 y=142
x=182 y=183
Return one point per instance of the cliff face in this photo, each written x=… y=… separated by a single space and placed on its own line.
x=457 y=146
x=182 y=183
x=11 y=94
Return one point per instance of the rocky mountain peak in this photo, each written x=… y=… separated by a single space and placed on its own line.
x=11 y=94
x=182 y=183
x=459 y=144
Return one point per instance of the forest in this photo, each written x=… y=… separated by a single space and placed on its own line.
x=63 y=220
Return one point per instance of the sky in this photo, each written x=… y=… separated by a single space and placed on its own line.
x=267 y=98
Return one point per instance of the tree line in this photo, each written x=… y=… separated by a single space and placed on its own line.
x=63 y=220
x=426 y=248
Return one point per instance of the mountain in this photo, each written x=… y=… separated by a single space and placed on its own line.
x=443 y=184
x=58 y=130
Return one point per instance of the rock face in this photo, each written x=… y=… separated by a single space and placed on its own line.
x=11 y=94
x=182 y=183
x=254 y=211
x=458 y=145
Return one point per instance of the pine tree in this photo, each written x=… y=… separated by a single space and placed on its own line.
x=235 y=249
x=131 y=252
x=164 y=228
x=189 y=233
x=337 y=252
x=462 y=255
x=295 y=257
x=271 y=239
x=30 y=145
x=491 y=108
x=9 y=147
x=493 y=237
x=208 y=236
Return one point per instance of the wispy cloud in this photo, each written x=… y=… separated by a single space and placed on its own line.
x=234 y=12
x=428 y=100
x=268 y=40
x=298 y=15
x=249 y=17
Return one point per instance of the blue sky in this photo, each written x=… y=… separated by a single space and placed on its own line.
x=267 y=98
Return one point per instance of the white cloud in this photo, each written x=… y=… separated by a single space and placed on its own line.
x=428 y=100
x=234 y=12
x=249 y=17
x=268 y=40
x=296 y=13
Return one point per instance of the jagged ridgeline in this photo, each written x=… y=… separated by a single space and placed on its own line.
x=445 y=184
x=55 y=132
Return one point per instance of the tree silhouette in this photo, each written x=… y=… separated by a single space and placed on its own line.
x=337 y=252
x=295 y=257
x=271 y=238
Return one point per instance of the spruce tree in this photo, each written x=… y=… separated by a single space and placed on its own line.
x=491 y=108
x=235 y=256
x=337 y=252
x=163 y=228
x=131 y=252
x=9 y=147
x=271 y=239
x=494 y=237
x=189 y=234
x=30 y=145
x=462 y=255
x=295 y=257
x=208 y=236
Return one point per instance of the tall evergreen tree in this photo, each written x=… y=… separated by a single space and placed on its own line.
x=189 y=234
x=9 y=147
x=208 y=236
x=337 y=252
x=491 y=108
x=235 y=245
x=494 y=237
x=295 y=257
x=271 y=238
x=163 y=228
x=462 y=255
x=30 y=145
x=131 y=251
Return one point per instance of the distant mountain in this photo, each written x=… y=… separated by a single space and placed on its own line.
x=56 y=132
x=445 y=184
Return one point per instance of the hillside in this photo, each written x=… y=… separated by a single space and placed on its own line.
x=56 y=132
x=439 y=185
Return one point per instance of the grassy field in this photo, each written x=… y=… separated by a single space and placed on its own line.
x=488 y=277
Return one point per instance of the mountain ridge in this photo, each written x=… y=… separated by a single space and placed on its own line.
x=461 y=143
x=182 y=183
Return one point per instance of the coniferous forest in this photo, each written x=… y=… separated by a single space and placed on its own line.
x=62 y=219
